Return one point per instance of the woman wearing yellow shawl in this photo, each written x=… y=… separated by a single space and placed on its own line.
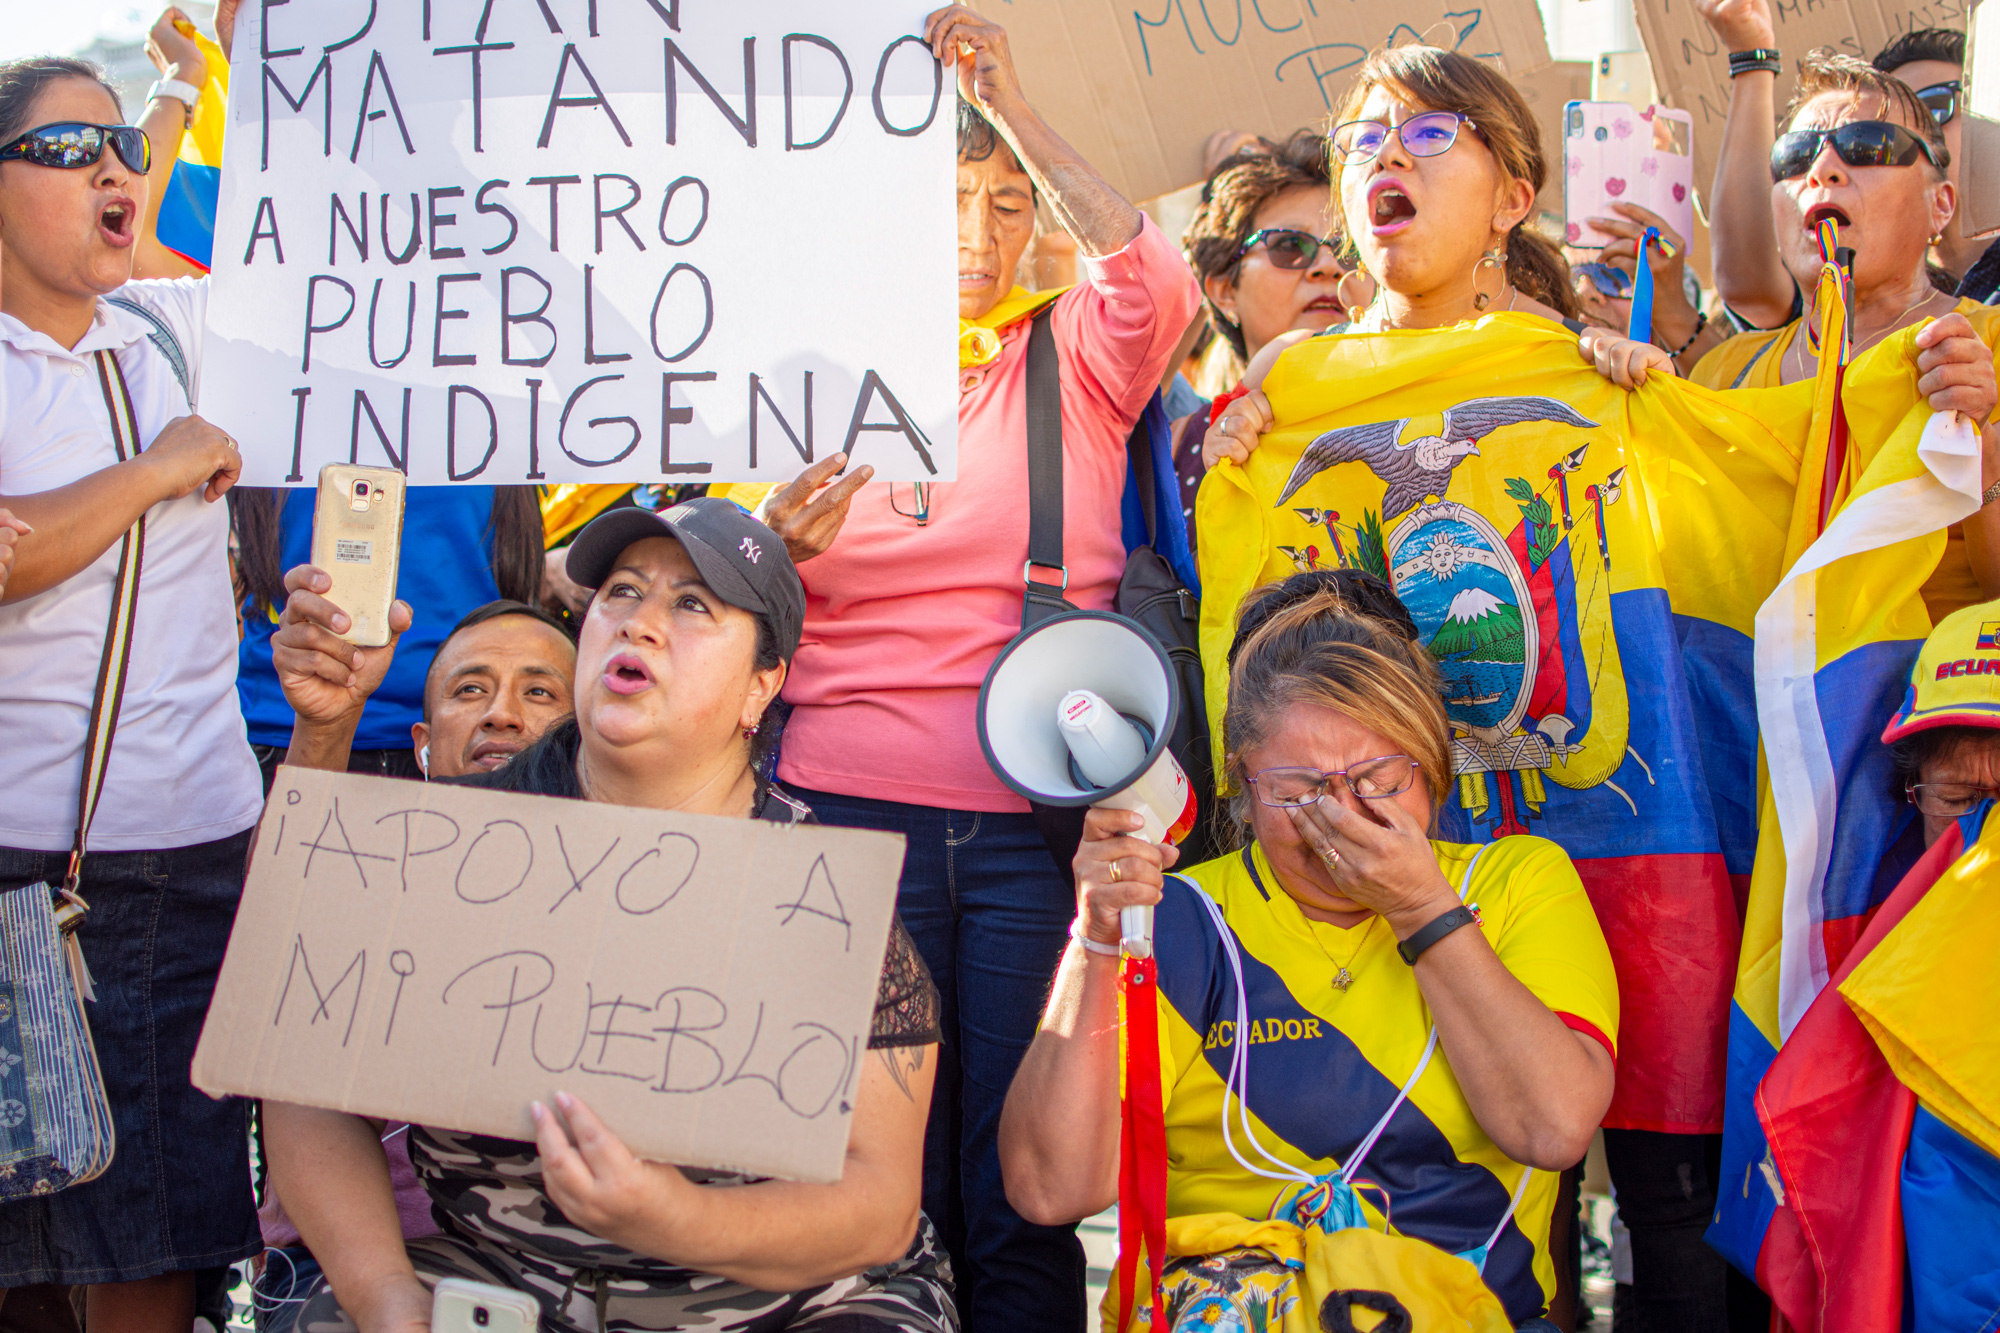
x=1583 y=562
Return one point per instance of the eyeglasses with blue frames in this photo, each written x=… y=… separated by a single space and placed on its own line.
x=1287 y=247
x=1425 y=134
x=71 y=145
x=1371 y=780
x=1612 y=281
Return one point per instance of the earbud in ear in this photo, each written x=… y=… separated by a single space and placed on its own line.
x=424 y=760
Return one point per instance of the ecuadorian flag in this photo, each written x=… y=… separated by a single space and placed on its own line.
x=1930 y=997
x=1584 y=564
x=1834 y=644
x=187 y=211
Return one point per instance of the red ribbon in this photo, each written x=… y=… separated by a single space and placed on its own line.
x=1142 y=1144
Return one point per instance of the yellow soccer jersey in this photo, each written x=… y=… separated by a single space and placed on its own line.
x=1324 y=1066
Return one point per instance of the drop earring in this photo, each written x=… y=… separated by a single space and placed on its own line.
x=750 y=733
x=1496 y=257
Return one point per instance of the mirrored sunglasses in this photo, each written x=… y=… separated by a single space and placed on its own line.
x=1288 y=248
x=1609 y=279
x=1859 y=143
x=1425 y=135
x=72 y=144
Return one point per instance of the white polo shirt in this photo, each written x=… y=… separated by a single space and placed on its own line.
x=181 y=769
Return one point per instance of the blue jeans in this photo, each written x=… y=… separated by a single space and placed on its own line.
x=990 y=912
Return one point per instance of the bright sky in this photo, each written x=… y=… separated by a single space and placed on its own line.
x=35 y=28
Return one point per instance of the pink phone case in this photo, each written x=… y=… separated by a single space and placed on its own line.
x=1614 y=154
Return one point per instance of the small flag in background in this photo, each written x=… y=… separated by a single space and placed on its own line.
x=187 y=213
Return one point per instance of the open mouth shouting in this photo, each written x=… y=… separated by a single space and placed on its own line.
x=491 y=754
x=626 y=674
x=117 y=222
x=1389 y=208
x=1819 y=213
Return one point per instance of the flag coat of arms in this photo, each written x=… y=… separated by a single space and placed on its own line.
x=1585 y=565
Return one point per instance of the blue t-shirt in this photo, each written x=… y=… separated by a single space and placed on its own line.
x=447 y=570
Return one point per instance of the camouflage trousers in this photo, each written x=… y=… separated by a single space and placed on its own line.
x=912 y=1295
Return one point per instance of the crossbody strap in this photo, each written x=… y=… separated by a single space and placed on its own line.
x=112 y=666
x=1039 y=600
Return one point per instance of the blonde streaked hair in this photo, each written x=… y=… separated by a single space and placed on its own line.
x=1824 y=70
x=1322 y=650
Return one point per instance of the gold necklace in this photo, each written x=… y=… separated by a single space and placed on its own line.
x=1342 y=978
x=1799 y=337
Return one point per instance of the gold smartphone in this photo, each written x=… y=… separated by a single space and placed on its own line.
x=358 y=543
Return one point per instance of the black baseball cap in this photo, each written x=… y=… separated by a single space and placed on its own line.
x=742 y=561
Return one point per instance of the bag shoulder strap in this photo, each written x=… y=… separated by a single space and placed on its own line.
x=116 y=659
x=161 y=337
x=1040 y=601
x=1139 y=447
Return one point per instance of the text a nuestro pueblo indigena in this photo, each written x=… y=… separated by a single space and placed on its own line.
x=446 y=956
x=505 y=241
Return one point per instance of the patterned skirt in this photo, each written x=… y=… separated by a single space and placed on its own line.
x=912 y=1295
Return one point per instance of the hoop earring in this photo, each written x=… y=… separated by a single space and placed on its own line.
x=750 y=733
x=1496 y=257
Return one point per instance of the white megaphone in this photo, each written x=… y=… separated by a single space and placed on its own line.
x=1078 y=711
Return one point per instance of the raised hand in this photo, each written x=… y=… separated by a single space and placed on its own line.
x=809 y=518
x=173 y=52
x=977 y=48
x=1743 y=25
x=325 y=678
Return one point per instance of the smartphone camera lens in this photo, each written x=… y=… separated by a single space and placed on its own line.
x=481 y=1316
x=361 y=490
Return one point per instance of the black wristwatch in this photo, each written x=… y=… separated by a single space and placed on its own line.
x=1412 y=948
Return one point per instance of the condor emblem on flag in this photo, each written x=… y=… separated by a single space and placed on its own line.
x=1989 y=635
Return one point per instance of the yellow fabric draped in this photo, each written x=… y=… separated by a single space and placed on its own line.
x=1441 y=1291
x=565 y=509
x=1930 y=995
x=979 y=339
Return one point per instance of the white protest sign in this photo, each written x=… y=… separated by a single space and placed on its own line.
x=443 y=955
x=585 y=240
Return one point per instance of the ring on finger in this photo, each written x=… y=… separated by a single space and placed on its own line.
x=1330 y=856
x=1115 y=875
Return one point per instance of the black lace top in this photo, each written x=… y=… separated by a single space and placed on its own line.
x=906 y=1001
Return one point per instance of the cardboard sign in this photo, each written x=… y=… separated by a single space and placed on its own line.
x=1138 y=86
x=574 y=241
x=1979 y=144
x=445 y=956
x=1691 y=64
x=1547 y=91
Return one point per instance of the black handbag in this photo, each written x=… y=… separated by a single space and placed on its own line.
x=1150 y=594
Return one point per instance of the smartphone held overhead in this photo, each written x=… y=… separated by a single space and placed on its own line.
x=1613 y=153
x=358 y=543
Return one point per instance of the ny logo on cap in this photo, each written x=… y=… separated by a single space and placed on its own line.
x=750 y=550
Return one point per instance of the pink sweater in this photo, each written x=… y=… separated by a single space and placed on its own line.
x=903 y=621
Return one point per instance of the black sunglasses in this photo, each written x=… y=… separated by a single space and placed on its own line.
x=72 y=144
x=1288 y=247
x=1860 y=143
x=1941 y=99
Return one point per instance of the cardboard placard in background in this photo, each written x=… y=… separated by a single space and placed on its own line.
x=1138 y=86
x=1691 y=64
x=570 y=243
x=1547 y=91
x=1979 y=146
x=444 y=956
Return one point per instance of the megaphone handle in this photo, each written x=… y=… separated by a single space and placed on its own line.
x=1135 y=930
